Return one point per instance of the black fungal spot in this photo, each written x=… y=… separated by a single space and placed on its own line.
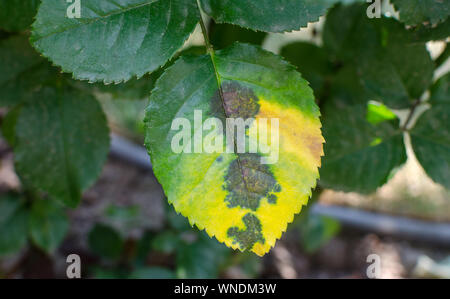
x=238 y=102
x=248 y=181
x=272 y=198
x=251 y=235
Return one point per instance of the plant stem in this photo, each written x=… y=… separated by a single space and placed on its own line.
x=410 y=115
x=208 y=45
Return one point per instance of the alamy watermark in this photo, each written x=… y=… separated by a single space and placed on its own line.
x=374 y=9
x=235 y=135
x=74 y=10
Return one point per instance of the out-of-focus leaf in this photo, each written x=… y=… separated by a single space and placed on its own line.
x=48 y=224
x=224 y=35
x=17 y=15
x=414 y=12
x=62 y=141
x=166 y=242
x=9 y=125
x=13 y=224
x=105 y=242
x=430 y=137
x=377 y=113
x=359 y=155
x=393 y=67
x=201 y=259
x=311 y=61
x=317 y=231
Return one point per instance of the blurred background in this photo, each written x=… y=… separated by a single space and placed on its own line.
x=124 y=227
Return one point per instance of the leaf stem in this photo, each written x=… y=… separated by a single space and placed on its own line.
x=410 y=115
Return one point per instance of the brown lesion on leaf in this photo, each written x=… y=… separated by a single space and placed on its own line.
x=248 y=182
x=238 y=101
x=248 y=237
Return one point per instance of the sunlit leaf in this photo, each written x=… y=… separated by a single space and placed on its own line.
x=241 y=201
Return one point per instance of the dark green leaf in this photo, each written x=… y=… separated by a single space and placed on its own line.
x=9 y=125
x=359 y=156
x=425 y=33
x=317 y=231
x=48 y=224
x=202 y=259
x=17 y=15
x=413 y=12
x=22 y=70
x=105 y=242
x=430 y=137
x=113 y=41
x=267 y=15
x=394 y=68
x=224 y=35
x=62 y=141
x=13 y=224
x=311 y=61
x=166 y=242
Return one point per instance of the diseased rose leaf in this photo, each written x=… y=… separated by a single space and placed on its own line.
x=235 y=197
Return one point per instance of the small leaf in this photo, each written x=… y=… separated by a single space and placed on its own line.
x=234 y=196
x=48 y=224
x=267 y=15
x=17 y=15
x=414 y=12
x=13 y=224
x=113 y=41
x=425 y=33
x=62 y=141
x=105 y=242
x=430 y=137
x=377 y=113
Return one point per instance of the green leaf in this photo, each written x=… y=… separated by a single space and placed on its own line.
x=113 y=41
x=224 y=35
x=48 y=224
x=414 y=12
x=17 y=15
x=377 y=113
x=430 y=137
x=265 y=15
x=359 y=155
x=62 y=141
x=311 y=61
x=105 y=242
x=9 y=125
x=152 y=273
x=23 y=70
x=202 y=259
x=393 y=67
x=425 y=33
x=236 y=188
x=166 y=242
x=317 y=231
x=13 y=224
